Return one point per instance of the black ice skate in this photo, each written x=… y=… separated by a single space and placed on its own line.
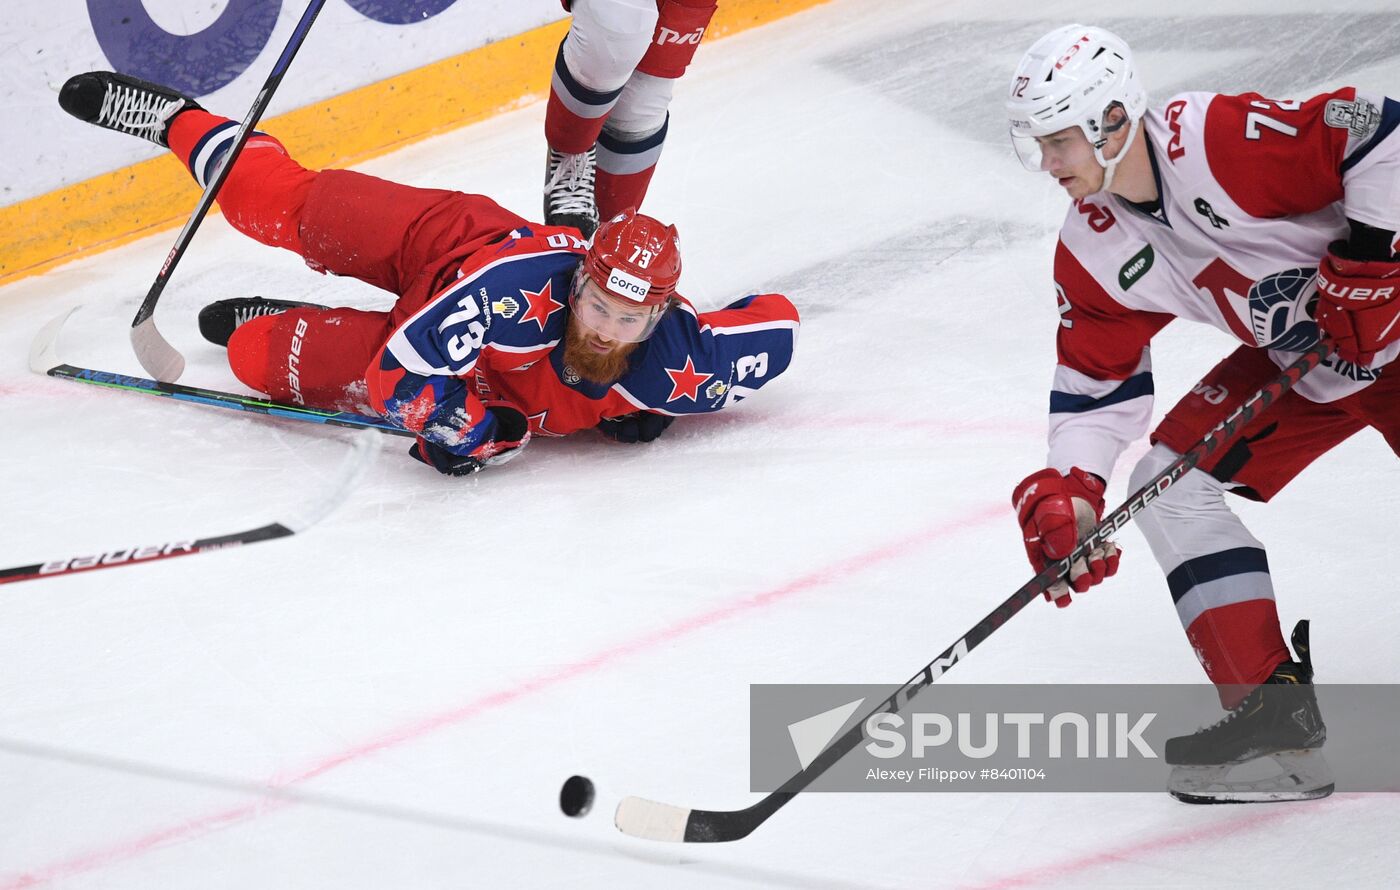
x=124 y=103
x=218 y=321
x=1278 y=724
x=568 y=190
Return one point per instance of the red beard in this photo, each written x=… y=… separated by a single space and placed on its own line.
x=595 y=367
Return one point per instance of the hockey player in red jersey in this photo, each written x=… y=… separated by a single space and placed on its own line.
x=607 y=116
x=502 y=328
x=1274 y=221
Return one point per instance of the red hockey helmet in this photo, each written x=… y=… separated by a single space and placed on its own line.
x=635 y=257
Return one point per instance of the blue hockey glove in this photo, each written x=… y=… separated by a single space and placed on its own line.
x=512 y=434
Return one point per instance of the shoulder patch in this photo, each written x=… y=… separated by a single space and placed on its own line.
x=1358 y=117
x=1136 y=267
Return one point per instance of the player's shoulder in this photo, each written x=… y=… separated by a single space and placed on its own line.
x=677 y=335
x=541 y=245
x=1106 y=270
x=1279 y=157
x=522 y=284
x=673 y=371
x=1178 y=118
x=1097 y=222
x=528 y=308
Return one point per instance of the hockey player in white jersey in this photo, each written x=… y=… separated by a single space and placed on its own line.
x=1274 y=221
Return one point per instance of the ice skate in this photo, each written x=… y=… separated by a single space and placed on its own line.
x=1267 y=749
x=1279 y=776
x=124 y=103
x=568 y=190
x=218 y=321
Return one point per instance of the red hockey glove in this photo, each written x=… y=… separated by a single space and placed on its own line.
x=512 y=434
x=1054 y=512
x=1359 y=304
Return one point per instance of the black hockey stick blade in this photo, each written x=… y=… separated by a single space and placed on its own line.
x=44 y=358
x=651 y=820
x=351 y=470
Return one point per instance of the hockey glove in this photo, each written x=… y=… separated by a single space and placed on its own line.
x=639 y=426
x=512 y=435
x=1358 y=304
x=1055 y=511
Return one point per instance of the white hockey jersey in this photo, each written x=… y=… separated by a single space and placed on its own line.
x=1252 y=192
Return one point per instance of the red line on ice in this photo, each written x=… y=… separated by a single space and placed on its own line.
x=1205 y=832
x=194 y=827
x=942 y=426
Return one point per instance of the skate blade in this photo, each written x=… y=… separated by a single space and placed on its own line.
x=1300 y=775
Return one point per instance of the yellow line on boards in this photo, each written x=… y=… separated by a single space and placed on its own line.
x=118 y=207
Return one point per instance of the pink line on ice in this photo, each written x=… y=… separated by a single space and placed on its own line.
x=1033 y=429
x=194 y=827
x=1205 y=833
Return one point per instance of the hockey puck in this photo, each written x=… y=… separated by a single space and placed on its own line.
x=576 y=797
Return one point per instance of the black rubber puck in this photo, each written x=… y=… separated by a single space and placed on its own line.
x=576 y=797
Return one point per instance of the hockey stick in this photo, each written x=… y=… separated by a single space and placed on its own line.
x=161 y=360
x=648 y=819
x=44 y=359
x=349 y=473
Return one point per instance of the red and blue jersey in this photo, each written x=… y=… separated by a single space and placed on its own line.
x=497 y=333
x=481 y=307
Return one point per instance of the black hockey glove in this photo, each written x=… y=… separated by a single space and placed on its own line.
x=639 y=426
x=512 y=434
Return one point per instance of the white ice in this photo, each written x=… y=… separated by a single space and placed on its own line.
x=410 y=681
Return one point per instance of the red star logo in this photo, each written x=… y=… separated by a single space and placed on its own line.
x=542 y=304
x=537 y=424
x=686 y=381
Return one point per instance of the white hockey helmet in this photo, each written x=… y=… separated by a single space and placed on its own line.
x=1070 y=78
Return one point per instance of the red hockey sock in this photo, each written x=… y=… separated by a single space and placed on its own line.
x=264 y=194
x=1239 y=645
x=617 y=192
x=625 y=168
x=569 y=132
x=188 y=128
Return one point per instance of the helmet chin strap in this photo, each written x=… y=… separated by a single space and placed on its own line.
x=1110 y=166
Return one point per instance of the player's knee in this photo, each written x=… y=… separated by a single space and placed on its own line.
x=620 y=17
x=1191 y=518
x=250 y=352
x=641 y=109
x=1157 y=459
x=1171 y=508
x=1193 y=492
x=607 y=40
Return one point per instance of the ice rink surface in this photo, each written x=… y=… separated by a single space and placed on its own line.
x=393 y=698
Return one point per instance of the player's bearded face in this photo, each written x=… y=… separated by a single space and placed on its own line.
x=594 y=358
x=603 y=331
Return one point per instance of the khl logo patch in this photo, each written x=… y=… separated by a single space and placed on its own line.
x=1279 y=313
